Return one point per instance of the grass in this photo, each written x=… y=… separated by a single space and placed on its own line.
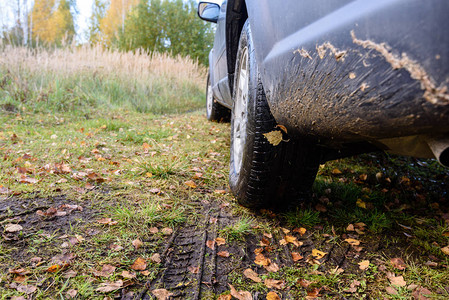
x=102 y=133
x=84 y=79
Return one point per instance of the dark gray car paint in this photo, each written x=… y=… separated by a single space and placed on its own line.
x=348 y=71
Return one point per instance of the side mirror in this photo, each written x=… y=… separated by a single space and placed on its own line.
x=208 y=11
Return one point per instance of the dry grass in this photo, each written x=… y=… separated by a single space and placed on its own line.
x=94 y=76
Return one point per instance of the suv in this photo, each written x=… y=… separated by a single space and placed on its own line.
x=304 y=82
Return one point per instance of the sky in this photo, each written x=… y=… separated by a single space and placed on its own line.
x=84 y=11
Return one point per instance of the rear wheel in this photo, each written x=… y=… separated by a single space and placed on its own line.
x=214 y=110
x=262 y=174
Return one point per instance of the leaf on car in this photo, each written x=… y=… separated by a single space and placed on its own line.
x=274 y=137
x=139 y=264
x=252 y=275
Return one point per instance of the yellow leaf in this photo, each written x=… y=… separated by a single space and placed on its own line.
x=353 y=242
x=318 y=254
x=274 y=137
x=336 y=171
x=273 y=296
x=190 y=184
x=139 y=264
x=445 y=250
x=364 y=264
x=360 y=203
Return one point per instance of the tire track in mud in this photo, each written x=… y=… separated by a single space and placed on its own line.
x=192 y=270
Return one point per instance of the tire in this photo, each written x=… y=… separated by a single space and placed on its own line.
x=261 y=174
x=214 y=110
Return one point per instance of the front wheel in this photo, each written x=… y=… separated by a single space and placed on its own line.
x=263 y=174
x=214 y=110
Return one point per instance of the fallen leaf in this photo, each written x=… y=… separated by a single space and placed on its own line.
x=398 y=263
x=139 y=264
x=240 y=295
x=273 y=267
x=301 y=230
x=128 y=275
x=71 y=293
x=252 y=275
x=313 y=293
x=106 y=271
x=268 y=235
x=296 y=256
x=274 y=137
x=318 y=254
x=13 y=228
x=193 y=270
x=224 y=297
x=262 y=260
x=137 y=243
x=161 y=294
x=350 y=227
x=107 y=287
x=264 y=242
x=210 y=244
x=353 y=242
x=391 y=290
x=360 y=203
x=107 y=221
x=153 y=230
x=54 y=268
x=156 y=258
x=421 y=293
x=26 y=288
x=273 y=296
x=20 y=271
x=445 y=250
x=220 y=241
x=336 y=171
x=273 y=283
x=304 y=282
x=190 y=184
x=167 y=231
x=285 y=230
x=364 y=264
x=291 y=239
x=145 y=273
x=223 y=253
x=396 y=280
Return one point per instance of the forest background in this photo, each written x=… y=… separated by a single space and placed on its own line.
x=127 y=25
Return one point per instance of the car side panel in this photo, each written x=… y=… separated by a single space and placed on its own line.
x=354 y=70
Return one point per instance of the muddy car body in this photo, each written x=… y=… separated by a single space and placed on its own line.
x=340 y=77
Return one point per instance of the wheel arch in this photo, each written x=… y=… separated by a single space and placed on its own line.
x=236 y=15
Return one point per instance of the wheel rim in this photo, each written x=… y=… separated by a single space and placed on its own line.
x=240 y=112
x=209 y=99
